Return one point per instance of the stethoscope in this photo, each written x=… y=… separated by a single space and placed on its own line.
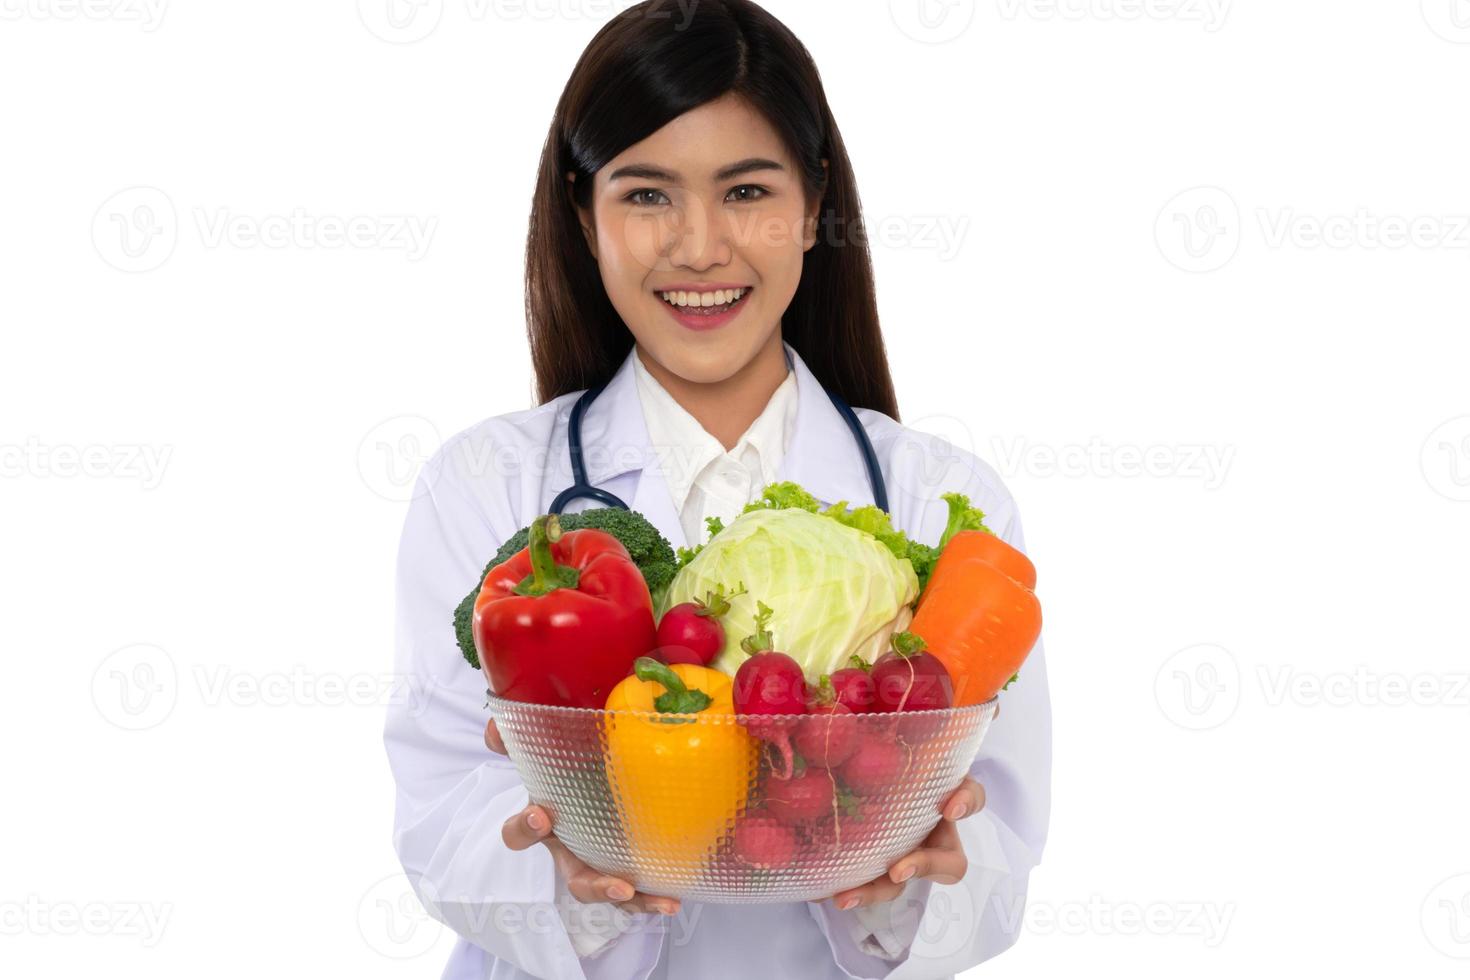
x=581 y=488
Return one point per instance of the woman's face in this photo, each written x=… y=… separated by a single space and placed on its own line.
x=712 y=200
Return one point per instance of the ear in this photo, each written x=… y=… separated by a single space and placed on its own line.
x=814 y=212
x=584 y=216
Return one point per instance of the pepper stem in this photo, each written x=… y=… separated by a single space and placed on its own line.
x=677 y=697
x=546 y=575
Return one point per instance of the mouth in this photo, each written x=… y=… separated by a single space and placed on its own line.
x=694 y=314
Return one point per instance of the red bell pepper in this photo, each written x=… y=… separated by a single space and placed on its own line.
x=562 y=620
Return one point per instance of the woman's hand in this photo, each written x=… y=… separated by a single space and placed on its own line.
x=940 y=856
x=586 y=884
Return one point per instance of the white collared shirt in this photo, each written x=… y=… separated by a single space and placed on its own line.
x=704 y=479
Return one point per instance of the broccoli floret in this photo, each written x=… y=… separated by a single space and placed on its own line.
x=650 y=551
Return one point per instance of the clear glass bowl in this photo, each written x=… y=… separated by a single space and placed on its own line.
x=692 y=806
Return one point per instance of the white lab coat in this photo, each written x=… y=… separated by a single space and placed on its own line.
x=453 y=794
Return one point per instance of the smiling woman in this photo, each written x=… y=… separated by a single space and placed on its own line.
x=699 y=162
x=699 y=293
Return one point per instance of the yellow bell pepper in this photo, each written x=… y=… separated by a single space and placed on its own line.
x=680 y=775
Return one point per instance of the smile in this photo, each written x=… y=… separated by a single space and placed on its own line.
x=705 y=310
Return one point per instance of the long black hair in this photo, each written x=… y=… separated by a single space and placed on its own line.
x=648 y=65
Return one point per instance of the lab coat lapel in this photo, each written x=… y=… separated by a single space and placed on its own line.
x=616 y=443
x=823 y=457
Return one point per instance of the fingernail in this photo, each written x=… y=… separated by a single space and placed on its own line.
x=905 y=874
x=957 y=811
x=666 y=908
x=847 y=903
x=534 y=819
x=620 y=891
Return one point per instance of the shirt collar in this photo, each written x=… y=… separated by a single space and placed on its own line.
x=683 y=448
x=820 y=454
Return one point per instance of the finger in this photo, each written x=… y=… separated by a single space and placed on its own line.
x=587 y=884
x=526 y=828
x=493 y=741
x=643 y=902
x=880 y=889
x=968 y=798
x=942 y=860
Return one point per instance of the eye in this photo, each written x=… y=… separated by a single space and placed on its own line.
x=635 y=200
x=762 y=192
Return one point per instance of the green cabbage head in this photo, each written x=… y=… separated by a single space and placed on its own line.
x=835 y=590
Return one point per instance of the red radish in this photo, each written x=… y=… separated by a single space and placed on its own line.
x=763 y=842
x=806 y=796
x=853 y=686
x=910 y=678
x=676 y=655
x=769 y=685
x=854 y=823
x=875 y=766
x=829 y=733
x=920 y=727
x=691 y=631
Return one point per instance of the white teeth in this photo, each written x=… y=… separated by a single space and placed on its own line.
x=717 y=298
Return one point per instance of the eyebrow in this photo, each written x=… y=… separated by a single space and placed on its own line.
x=645 y=171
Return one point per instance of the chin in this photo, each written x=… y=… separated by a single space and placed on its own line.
x=704 y=358
x=708 y=365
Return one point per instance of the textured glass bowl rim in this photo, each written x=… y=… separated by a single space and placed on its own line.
x=496 y=700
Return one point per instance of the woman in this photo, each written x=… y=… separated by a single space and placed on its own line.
x=695 y=247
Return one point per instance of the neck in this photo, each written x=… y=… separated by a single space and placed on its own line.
x=725 y=409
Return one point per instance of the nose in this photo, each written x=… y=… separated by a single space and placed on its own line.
x=701 y=237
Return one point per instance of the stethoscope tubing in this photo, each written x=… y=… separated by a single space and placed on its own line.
x=581 y=488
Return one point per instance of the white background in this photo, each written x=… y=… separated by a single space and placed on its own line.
x=1228 y=240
